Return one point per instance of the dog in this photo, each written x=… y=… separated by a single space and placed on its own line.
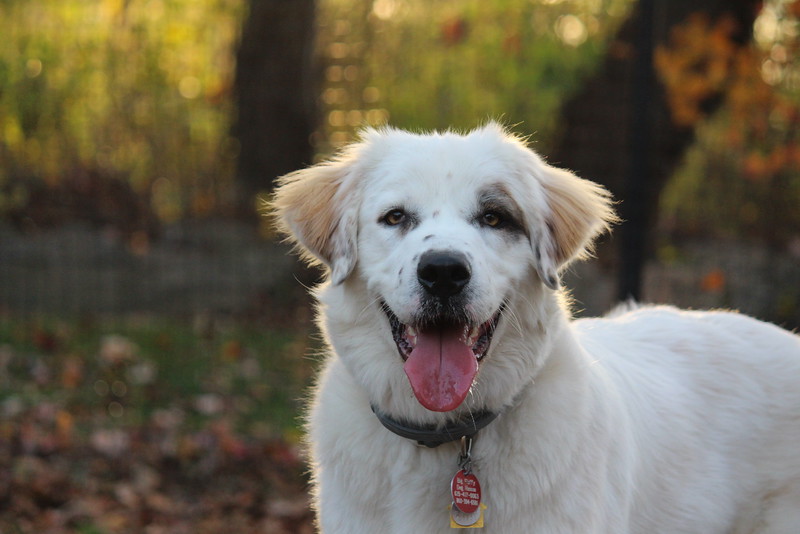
x=459 y=393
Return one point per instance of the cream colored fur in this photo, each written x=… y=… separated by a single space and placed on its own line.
x=651 y=420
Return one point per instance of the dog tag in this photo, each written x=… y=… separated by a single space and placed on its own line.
x=466 y=492
x=459 y=519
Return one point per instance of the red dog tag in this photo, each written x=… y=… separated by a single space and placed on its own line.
x=466 y=492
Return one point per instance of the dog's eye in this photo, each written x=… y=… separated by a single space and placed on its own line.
x=493 y=219
x=394 y=217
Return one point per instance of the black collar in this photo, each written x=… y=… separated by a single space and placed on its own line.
x=433 y=435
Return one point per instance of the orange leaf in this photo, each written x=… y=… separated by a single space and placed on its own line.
x=714 y=281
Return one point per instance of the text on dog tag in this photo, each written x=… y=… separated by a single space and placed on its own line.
x=466 y=492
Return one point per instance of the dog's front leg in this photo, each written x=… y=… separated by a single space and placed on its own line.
x=346 y=449
x=339 y=510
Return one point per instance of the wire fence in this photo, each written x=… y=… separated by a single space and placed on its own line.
x=219 y=267
x=225 y=268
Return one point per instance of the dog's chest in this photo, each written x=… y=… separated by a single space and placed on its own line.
x=417 y=491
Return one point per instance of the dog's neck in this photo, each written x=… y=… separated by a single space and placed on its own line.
x=435 y=435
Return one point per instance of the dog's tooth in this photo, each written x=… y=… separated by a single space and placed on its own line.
x=411 y=336
x=473 y=335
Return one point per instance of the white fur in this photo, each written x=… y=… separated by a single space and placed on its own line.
x=652 y=420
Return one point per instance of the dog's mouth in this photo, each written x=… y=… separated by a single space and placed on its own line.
x=442 y=357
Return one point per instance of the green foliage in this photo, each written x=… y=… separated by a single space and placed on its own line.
x=453 y=63
x=135 y=90
x=139 y=90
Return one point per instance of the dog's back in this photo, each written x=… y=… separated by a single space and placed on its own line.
x=715 y=401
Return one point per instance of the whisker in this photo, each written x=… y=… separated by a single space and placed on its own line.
x=367 y=307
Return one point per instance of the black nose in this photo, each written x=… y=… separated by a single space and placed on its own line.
x=443 y=274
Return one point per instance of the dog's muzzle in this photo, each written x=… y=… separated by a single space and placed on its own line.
x=442 y=345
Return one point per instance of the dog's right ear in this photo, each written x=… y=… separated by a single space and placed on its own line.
x=317 y=209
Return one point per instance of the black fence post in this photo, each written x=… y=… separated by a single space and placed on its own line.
x=638 y=178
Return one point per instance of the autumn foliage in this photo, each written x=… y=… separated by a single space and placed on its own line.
x=748 y=172
x=99 y=434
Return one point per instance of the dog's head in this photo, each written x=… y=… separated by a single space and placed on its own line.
x=435 y=242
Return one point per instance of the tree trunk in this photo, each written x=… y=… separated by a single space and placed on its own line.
x=276 y=90
x=618 y=129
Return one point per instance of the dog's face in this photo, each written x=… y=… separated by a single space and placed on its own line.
x=439 y=236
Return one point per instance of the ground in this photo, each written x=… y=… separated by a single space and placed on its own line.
x=154 y=428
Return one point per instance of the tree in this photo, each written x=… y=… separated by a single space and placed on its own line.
x=621 y=130
x=276 y=93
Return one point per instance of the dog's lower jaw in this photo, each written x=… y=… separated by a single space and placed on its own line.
x=441 y=357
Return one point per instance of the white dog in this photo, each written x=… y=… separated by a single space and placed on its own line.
x=459 y=393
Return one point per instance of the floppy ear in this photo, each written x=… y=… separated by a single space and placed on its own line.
x=317 y=209
x=577 y=212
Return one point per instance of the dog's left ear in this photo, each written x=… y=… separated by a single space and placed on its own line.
x=576 y=212
x=317 y=209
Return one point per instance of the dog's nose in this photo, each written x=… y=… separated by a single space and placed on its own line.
x=443 y=274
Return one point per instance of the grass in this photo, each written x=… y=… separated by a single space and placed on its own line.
x=128 y=370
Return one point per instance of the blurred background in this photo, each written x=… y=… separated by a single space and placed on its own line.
x=155 y=335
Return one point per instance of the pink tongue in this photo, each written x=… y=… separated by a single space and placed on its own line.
x=441 y=369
